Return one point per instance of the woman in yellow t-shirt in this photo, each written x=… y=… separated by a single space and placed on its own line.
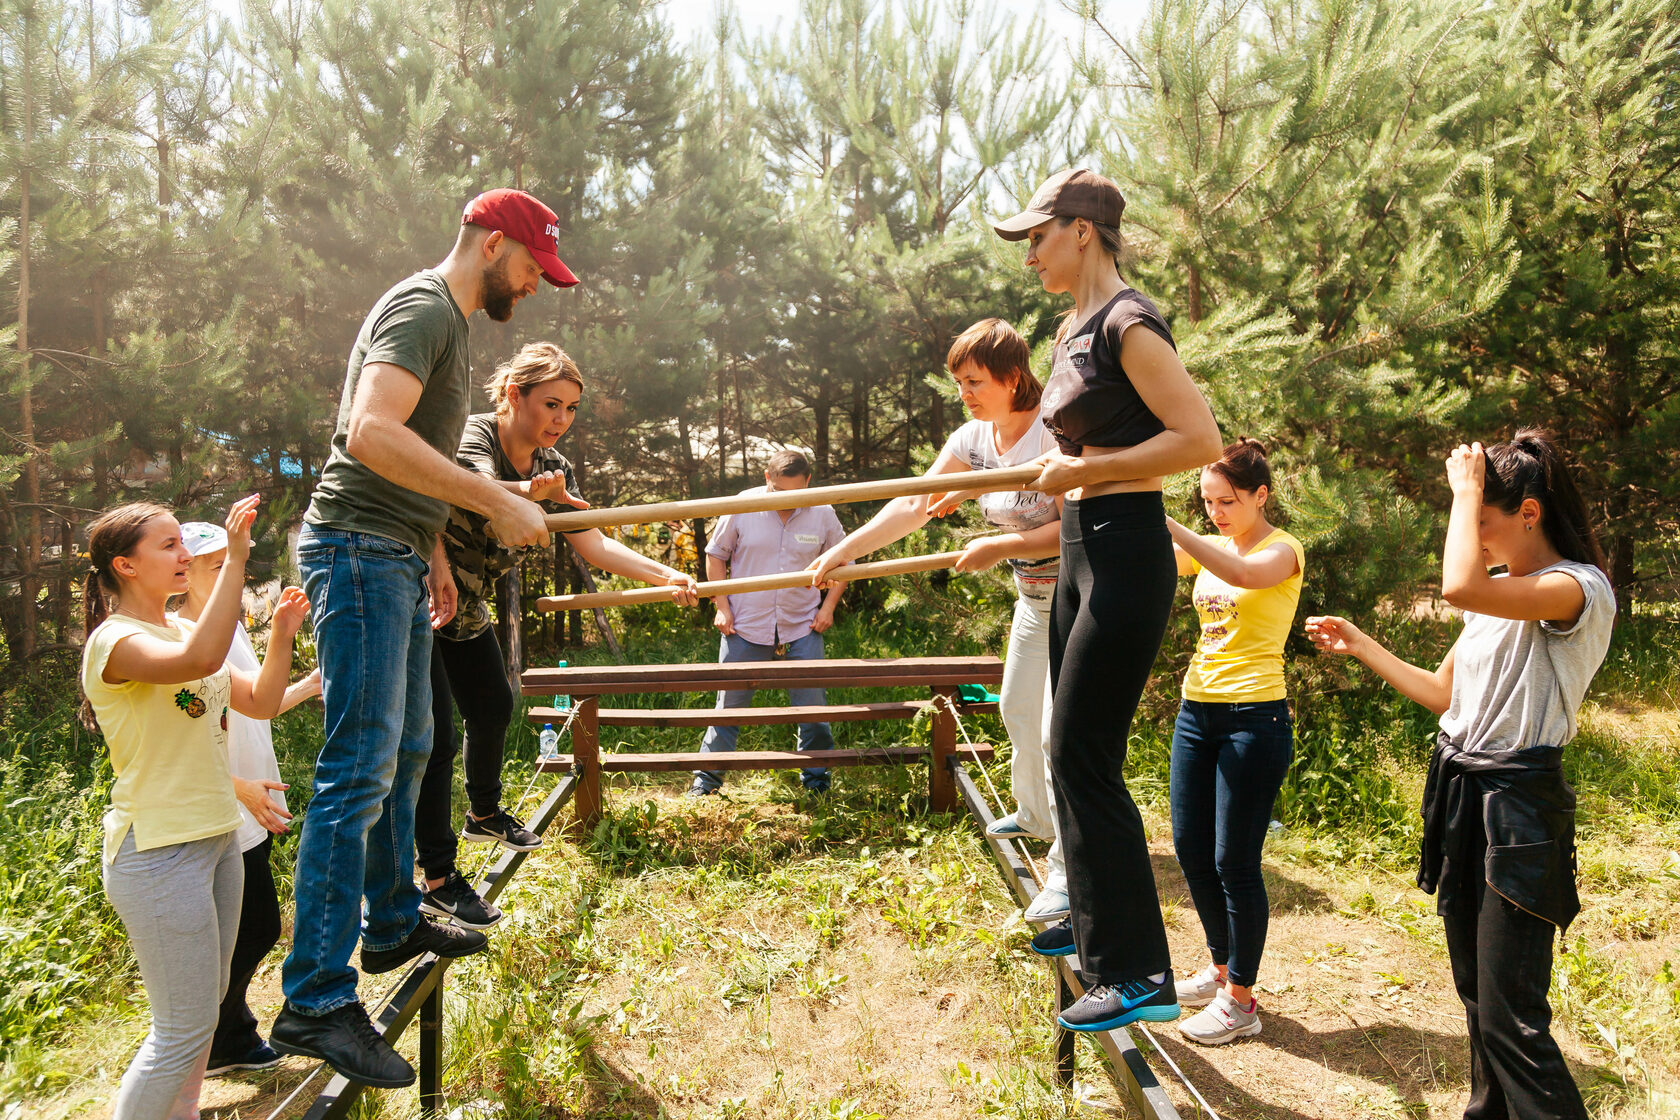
x=1234 y=739
x=159 y=689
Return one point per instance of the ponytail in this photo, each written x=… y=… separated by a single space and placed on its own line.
x=1532 y=466
x=113 y=533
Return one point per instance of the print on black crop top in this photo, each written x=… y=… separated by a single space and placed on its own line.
x=1089 y=399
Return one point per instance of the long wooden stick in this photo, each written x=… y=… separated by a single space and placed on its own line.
x=844 y=574
x=1003 y=478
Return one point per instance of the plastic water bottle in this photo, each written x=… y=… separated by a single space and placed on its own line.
x=561 y=701
x=548 y=743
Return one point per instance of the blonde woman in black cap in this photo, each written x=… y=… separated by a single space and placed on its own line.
x=1125 y=414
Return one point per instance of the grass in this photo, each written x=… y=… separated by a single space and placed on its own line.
x=767 y=955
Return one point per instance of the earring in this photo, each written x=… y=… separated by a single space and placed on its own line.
x=1529 y=527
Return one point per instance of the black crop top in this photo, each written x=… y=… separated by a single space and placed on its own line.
x=1089 y=399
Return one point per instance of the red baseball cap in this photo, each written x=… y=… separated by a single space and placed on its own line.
x=519 y=216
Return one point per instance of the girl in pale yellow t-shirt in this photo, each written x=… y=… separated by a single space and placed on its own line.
x=159 y=689
x=1233 y=740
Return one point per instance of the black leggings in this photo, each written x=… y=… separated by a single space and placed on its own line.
x=1113 y=596
x=471 y=675
x=259 y=931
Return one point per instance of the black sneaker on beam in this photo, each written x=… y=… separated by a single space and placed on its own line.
x=500 y=827
x=455 y=898
x=347 y=1041
x=428 y=937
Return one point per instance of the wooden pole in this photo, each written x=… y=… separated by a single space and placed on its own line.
x=845 y=574
x=586 y=760
x=942 y=784
x=1003 y=478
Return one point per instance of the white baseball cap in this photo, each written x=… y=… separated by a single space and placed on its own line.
x=201 y=537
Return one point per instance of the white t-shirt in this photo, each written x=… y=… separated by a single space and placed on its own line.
x=250 y=744
x=1519 y=683
x=1013 y=511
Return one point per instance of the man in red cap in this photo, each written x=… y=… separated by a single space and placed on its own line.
x=378 y=584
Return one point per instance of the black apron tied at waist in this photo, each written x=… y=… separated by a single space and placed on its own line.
x=1527 y=812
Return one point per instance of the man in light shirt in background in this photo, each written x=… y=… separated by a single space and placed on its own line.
x=785 y=625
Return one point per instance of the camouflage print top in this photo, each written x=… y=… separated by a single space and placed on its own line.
x=477 y=559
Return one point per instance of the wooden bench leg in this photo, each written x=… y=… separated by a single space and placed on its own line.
x=942 y=785
x=586 y=759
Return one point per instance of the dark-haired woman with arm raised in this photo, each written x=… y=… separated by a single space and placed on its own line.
x=1233 y=738
x=1125 y=414
x=1499 y=819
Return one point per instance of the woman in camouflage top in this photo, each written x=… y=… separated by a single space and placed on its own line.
x=536 y=394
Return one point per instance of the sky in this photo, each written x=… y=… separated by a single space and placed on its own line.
x=691 y=17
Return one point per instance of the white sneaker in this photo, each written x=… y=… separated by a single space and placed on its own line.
x=1221 y=1021
x=1011 y=828
x=1049 y=905
x=1199 y=990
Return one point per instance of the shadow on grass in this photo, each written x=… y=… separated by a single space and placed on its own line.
x=1407 y=1060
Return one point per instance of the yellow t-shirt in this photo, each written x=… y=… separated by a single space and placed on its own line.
x=168 y=745
x=1239 y=655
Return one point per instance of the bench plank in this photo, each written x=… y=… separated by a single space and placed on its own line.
x=613 y=762
x=753 y=717
x=603 y=680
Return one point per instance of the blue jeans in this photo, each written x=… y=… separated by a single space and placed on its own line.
x=812 y=736
x=1228 y=763
x=373 y=641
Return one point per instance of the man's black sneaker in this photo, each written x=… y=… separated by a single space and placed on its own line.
x=260 y=1056
x=455 y=898
x=346 y=1040
x=1056 y=941
x=428 y=937
x=500 y=827
x=1108 y=1006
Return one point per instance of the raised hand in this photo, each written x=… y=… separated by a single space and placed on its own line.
x=238 y=525
x=289 y=613
x=1467 y=470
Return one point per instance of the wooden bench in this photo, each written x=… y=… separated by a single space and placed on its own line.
x=586 y=684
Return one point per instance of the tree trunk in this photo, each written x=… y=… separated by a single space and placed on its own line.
x=821 y=411
x=26 y=403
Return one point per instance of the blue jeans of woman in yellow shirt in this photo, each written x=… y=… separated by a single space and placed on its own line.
x=1228 y=763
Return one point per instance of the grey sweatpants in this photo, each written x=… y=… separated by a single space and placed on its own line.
x=180 y=905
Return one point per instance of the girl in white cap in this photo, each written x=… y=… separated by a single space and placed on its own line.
x=237 y=1044
x=159 y=688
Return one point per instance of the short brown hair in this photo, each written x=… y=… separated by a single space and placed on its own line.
x=534 y=364
x=999 y=349
x=789 y=462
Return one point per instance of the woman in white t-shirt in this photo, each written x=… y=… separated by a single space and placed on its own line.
x=1499 y=819
x=237 y=1045
x=989 y=362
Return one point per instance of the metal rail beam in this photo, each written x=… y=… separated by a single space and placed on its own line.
x=420 y=991
x=1133 y=1072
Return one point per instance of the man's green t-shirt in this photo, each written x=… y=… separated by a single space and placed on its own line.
x=415 y=325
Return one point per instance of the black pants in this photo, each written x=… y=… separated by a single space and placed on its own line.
x=470 y=675
x=1113 y=596
x=259 y=931
x=1502 y=966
